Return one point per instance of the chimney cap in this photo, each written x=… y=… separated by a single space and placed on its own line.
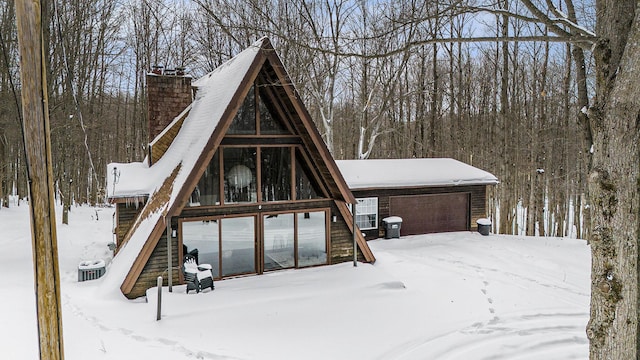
x=157 y=69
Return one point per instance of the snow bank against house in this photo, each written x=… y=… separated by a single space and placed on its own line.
x=440 y=296
x=386 y=173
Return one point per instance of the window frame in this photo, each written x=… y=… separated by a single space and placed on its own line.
x=296 y=236
x=359 y=213
x=293 y=149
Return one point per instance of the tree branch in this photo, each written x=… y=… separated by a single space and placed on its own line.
x=581 y=41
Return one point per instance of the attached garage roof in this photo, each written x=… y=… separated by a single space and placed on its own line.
x=391 y=173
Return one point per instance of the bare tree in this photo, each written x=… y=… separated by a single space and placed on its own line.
x=613 y=184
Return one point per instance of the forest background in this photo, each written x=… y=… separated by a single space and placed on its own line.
x=476 y=81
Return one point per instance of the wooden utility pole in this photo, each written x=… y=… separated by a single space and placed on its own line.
x=40 y=178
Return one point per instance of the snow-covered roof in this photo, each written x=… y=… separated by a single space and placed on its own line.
x=215 y=92
x=389 y=173
x=164 y=181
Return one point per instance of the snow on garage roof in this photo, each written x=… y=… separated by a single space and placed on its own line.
x=389 y=173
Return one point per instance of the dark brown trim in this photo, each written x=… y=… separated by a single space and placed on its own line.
x=256 y=105
x=259 y=236
x=259 y=174
x=292 y=161
x=360 y=240
x=129 y=199
x=275 y=101
x=196 y=173
x=143 y=256
x=416 y=187
x=331 y=180
x=219 y=132
x=314 y=172
x=256 y=236
x=232 y=207
x=261 y=141
x=315 y=136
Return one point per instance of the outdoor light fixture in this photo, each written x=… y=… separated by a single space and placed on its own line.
x=334 y=218
x=174 y=233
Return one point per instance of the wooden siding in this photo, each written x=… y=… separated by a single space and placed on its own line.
x=144 y=271
x=157 y=266
x=126 y=214
x=340 y=241
x=477 y=202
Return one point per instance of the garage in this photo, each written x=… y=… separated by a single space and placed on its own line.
x=431 y=195
x=423 y=214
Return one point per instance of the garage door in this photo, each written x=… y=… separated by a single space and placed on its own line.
x=422 y=214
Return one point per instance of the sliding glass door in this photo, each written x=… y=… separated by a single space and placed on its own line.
x=238 y=246
x=201 y=239
x=295 y=239
x=278 y=241
x=312 y=238
x=227 y=244
x=288 y=240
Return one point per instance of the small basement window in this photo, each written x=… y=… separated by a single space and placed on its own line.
x=367 y=213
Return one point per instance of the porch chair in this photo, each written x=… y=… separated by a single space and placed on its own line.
x=190 y=271
x=197 y=277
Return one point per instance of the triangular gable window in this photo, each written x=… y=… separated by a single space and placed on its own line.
x=269 y=124
x=245 y=121
x=306 y=187
x=207 y=191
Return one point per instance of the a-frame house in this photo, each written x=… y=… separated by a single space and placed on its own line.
x=242 y=175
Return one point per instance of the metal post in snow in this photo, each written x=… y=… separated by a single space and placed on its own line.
x=159 y=314
x=355 y=244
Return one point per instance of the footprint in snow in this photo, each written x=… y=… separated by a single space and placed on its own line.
x=393 y=285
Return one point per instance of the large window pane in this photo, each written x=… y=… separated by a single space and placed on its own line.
x=238 y=246
x=207 y=192
x=269 y=124
x=200 y=239
x=245 y=121
x=312 y=239
x=278 y=241
x=276 y=173
x=305 y=187
x=240 y=175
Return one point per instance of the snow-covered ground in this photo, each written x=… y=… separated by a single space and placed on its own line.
x=441 y=296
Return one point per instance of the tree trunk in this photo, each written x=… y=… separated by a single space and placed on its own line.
x=4 y=196
x=614 y=182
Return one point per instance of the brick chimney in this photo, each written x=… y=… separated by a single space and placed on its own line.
x=168 y=94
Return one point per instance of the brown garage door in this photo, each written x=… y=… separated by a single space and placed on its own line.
x=422 y=214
